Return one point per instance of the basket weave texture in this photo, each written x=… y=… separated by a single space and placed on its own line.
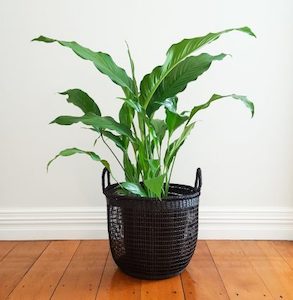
x=151 y=238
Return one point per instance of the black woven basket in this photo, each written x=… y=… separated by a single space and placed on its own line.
x=151 y=238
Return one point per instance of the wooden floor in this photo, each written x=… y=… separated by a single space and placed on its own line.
x=85 y=270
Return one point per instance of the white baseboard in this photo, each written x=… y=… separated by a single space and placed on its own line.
x=55 y=223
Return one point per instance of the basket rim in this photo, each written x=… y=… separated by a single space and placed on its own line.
x=191 y=193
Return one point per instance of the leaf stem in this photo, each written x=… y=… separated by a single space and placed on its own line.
x=169 y=178
x=112 y=152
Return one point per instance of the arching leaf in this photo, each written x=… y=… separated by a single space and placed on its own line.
x=216 y=97
x=103 y=62
x=97 y=122
x=72 y=151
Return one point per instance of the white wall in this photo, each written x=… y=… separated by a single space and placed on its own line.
x=247 y=163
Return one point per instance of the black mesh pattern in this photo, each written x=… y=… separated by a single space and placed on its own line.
x=151 y=238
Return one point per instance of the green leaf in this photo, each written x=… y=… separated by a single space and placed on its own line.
x=134 y=188
x=72 y=151
x=97 y=122
x=155 y=185
x=133 y=104
x=175 y=54
x=82 y=100
x=160 y=128
x=149 y=84
x=114 y=138
x=171 y=104
x=175 y=146
x=154 y=166
x=126 y=115
x=176 y=81
x=215 y=97
x=142 y=158
x=129 y=169
x=106 y=164
x=173 y=119
x=132 y=69
x=102 y=61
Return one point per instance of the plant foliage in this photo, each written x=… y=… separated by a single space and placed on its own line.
x=147 y=144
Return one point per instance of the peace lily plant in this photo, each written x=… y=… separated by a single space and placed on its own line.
x=149 y=145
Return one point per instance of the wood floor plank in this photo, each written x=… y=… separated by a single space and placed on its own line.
x=5 y=247
x=116 y=285
x=239 y=277
x=170 y=289
x=82 y=277
x=44 y=275
x=267 y=269
x=285 y=248
x=201 y=279
x=16 y=263
x=283 y=270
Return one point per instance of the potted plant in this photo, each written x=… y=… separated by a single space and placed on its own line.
x=152 y=223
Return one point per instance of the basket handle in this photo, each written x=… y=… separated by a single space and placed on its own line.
x=198 y=180
x=105 y=171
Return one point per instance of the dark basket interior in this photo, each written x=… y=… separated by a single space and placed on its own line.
x=151 y=238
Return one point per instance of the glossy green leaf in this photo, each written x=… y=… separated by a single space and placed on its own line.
x=72 y=151
x=129 y=169
x=160 y=128
x=133 y=104
x=155 y=185
x=175 y=54
x=171 y=152
x=171 y=104
x=82 y=100
x=216 y=97
x=126 y=115
x=97 y=122
x=154 y=166
x=132 y=70
x=177 y=79
x=103 y=62
x=142 y=158
x=134 y=188
x=173 y=119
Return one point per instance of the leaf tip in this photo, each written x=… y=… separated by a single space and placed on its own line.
x=48 y=165
x=252 y=112
x=222 y=56
x=43 y=38
x=247 y=30
x=36 y=39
